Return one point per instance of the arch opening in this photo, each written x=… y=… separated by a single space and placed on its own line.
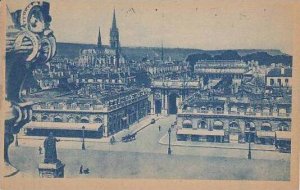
x=172 y=103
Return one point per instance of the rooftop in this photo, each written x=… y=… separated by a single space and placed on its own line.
x=280 y=72
x=104 y=96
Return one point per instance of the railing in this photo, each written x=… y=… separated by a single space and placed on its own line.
x=116 y=103
x=177 y=84
x=232 y=113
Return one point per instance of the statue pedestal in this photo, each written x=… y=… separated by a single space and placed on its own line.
x=51 y=170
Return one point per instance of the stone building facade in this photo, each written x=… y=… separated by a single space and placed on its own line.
x=66 y=116
x=234 y=119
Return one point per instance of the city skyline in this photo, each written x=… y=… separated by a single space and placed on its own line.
x=248 y=27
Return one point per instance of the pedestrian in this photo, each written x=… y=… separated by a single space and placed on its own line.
x=112 y=140
x=40 y=149
x=81 y=169
x=159 y=127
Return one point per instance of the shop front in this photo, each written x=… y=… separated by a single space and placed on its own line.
x=200 y=135
x=64 y=129
x=265 y=137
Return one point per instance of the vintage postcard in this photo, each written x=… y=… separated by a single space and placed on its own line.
x=168 y=94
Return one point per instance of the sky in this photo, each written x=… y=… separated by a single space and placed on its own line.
x=208 y=25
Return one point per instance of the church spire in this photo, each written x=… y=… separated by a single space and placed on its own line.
x=99 y=43
x=162 y=51
x=114 y=21
x=114 y=34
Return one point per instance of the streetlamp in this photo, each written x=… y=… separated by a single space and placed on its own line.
x=249 y=150
x=169 y=149
x=16 y=142
x=83 y=145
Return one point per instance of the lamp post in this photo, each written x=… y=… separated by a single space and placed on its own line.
x=249 y=150
x=169 y=149
x=83 y=144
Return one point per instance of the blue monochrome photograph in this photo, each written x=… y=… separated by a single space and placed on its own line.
x=148 y=90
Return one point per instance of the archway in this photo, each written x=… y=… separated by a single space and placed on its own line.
x=33 y=118
x=157 y=106
x=234 y=127
x=97 y=120
x=283 y=127
x=172 y=103
x=202 y=125
x=218 y=125
x=44 y=118
x=71 y=120
x=58 y=118
x=84 y=120
x=266 y=126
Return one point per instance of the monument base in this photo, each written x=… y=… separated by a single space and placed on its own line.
x=51 y=170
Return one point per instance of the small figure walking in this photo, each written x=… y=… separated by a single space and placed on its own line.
x=81 y=169
x=112 y=140
x=159 y=127
x=40 y=150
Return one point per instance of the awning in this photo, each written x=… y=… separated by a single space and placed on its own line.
x=283 y=135
x=63 y=126
x=218 y=123
x=124 y=118
x=187 y=122
x=201 y=132
x=265 y=134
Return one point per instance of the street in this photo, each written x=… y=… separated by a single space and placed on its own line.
x=146 y=158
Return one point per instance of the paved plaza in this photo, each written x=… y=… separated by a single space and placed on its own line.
x=146 y=157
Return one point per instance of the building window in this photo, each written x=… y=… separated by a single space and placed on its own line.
x=279 y=82
x=233 y=109
x=266 y=111
x=58 y=119
x=218 y=125
x=71 y=120
x=286 y=82
x=271 y=82
x=203 y=109
x=234 y=127
x=219 y=110
x=86 y=106
x=97 y=120
x=250 y=126
x=84 y=120
x=44 y=118
x=266 y=127
x=73 y=106
x=60 y=106
x=282 y=112
x=33 y=118
x=187 y=124
x=202 y=125
x=283 y=127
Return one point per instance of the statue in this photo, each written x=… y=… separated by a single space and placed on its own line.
x=50 y=149
x=51 y=167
